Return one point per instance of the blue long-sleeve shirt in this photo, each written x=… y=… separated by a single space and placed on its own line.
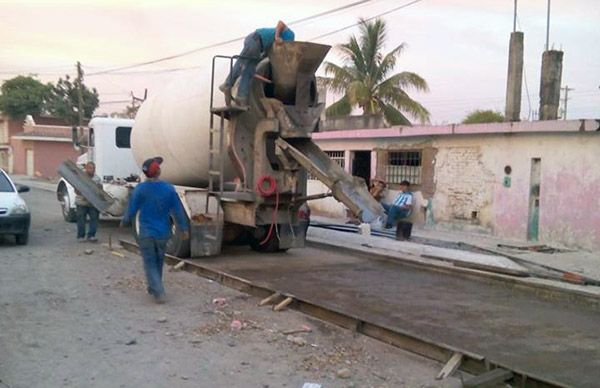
x=156 y=201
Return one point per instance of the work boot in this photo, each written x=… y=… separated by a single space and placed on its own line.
x=226 y=89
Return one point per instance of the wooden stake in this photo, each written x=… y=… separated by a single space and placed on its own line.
x=179 y=265
x=451 y=366
x=283 y=304
x=269 y=299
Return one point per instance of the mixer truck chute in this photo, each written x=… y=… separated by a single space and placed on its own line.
x=250 y=165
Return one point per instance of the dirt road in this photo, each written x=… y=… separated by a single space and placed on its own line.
x=73 y=319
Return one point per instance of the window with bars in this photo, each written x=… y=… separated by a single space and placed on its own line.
x=337 y=156
x=403 y=165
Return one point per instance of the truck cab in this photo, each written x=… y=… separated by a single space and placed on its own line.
x=107 y=143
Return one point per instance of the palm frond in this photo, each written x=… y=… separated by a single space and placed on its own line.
x=392 y=115
x=401 y=100
x=404 y=80
x=341 y=77
x=388 y=62
x=354 y=55
x=372 y=38
x=341 y=107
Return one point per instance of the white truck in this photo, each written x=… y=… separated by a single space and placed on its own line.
x=240 y=173
x=107 y=143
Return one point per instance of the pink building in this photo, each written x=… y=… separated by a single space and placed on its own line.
x=529 y=180
x=35 y=147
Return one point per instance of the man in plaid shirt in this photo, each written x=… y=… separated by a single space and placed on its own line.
x=400 y=208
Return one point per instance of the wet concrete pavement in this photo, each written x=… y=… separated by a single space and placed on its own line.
x=549 y=339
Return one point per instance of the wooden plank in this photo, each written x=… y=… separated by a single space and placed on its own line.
x=451 y=366
x=494 y=376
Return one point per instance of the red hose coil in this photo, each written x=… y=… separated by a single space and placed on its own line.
x=265 y=193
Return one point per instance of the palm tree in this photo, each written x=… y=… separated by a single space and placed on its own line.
x=364 y=81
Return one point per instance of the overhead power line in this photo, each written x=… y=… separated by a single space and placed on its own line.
x=368 y=19
x=193 y=51
x=117 y=71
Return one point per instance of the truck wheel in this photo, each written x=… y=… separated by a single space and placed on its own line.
x=176 y=245
x=67 y=212
x=22 y=239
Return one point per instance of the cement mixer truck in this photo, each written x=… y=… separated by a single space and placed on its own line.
x=240 y=173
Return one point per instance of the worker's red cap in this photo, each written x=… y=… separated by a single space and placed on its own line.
x=152 y=166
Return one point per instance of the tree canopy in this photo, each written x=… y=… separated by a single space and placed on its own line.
x=25 y=95
x=483 y=116
x=22 y=96
x=64 y=100
x=364 y=79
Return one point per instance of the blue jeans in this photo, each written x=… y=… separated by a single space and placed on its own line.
x=246 y=67
x=395 y=214
x=153 y=254
x=82 y=213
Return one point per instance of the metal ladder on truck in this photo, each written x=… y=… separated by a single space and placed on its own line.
x=216 y=152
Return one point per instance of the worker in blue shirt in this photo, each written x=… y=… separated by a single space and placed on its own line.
x=156 y=201
x=400 y=208
x=256 y=47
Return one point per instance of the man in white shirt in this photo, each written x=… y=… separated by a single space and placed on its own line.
x=400 y=208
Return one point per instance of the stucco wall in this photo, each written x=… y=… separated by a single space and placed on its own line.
x=47 y=156
x=468 y=177
x=570 y=183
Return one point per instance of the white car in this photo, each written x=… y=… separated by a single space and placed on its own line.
x=14 y=213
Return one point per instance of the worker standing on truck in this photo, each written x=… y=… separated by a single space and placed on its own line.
x=156 y=202
x=401 y=207
x=256 y=47
x=84 y=209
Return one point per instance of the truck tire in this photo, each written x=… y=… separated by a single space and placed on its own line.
x=176 y=245
x=63 y=197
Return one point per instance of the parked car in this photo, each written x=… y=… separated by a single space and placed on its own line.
x=14 y=213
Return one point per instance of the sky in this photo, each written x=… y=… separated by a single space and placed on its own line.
x=460 y=47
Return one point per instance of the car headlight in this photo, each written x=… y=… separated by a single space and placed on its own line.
x=20 y=208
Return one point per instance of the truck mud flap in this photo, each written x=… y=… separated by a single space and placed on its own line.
x=86 y=186
x=349 y=190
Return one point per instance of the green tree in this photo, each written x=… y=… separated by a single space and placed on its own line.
x=483 y=116
x=22 y=96
x=64 y=100
x=364 y=82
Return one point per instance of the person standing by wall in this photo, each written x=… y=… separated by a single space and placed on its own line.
x=156 y=201
x=400 y=208
x=84 y=209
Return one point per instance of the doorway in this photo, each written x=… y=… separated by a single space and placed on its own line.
x=361 y=165
x=29 y=162
x=533 y=221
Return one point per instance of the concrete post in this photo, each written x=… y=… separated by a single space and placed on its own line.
x=512 y=111
x=550 y=84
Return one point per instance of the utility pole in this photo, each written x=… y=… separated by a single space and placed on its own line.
x=566 y=89
x=80 y=93
x=548 y=28
x=515 y=18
